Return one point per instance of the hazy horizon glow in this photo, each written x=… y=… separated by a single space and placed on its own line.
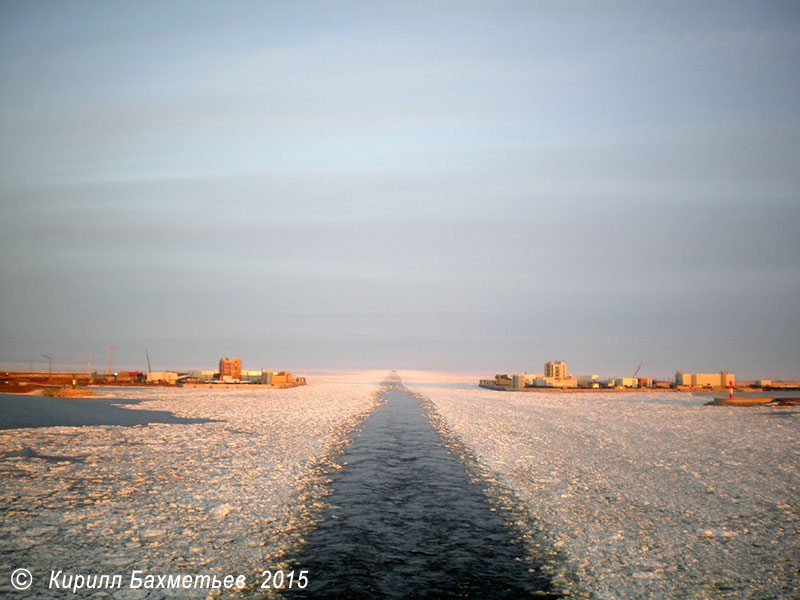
x=444 y=186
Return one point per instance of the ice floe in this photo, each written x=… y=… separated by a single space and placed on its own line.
x=224 y=497
x=646 y=495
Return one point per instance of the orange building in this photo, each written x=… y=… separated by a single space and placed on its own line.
x=230 y=368
x=281 y=378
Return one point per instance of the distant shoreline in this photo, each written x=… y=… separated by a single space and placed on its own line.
x=740 y=389
x=236 y=386
x=43 y=383
x=559 y=390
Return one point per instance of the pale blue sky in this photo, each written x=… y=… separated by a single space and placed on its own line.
x=445 y=185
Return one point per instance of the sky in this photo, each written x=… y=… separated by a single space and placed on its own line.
x=453 y=185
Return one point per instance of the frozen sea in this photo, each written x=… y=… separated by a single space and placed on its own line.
x=227 y=496
x=637 y=495
x=646 y=495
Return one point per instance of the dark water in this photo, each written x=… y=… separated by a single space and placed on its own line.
x=407 y=522
x=38 y=411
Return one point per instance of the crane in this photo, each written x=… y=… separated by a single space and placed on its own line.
x=637 y=369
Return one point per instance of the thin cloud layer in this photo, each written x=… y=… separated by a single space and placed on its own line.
x=441 y=186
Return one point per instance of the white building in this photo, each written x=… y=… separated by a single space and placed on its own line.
x=162 y=377
x=552 y=382
x=721 y=379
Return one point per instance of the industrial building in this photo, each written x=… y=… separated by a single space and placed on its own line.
x=501 y=381
x=555 y=376
x=231 y=373
x=553 y=382
x=162 y=377
x=623 y=382
x=285 y=378
x=588 y=381
x=722 y=379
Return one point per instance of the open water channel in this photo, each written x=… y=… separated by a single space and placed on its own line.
x=405 y=520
